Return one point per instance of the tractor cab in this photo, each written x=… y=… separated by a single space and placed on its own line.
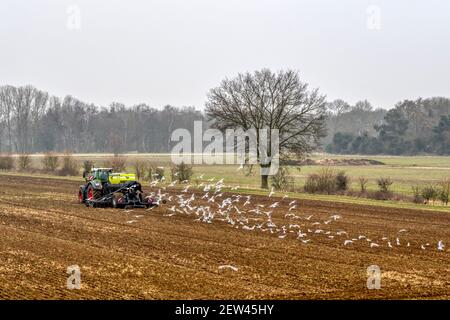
x=99 y=174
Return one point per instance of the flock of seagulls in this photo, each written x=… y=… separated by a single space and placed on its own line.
x=243 y=212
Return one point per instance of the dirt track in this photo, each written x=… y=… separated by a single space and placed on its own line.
x=147 y=254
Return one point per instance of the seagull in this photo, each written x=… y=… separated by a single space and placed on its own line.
x=272 y=192
x=292 y=202
x=301 y=235
x=309 y=217
x=306 y=241
x=131 y=221
x=228 y=267
x=374 y=245
x=389 y=244
x=292 y=208
x=274 y=205
x=248 y=228
x=402 y=230
x=440 y=246
x=346 y=242
x=398 y=241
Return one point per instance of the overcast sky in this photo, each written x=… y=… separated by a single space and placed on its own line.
x=173 y=51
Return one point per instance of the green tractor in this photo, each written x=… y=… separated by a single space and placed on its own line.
x=104 y=188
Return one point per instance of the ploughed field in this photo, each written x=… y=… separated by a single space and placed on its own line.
x=239 y=248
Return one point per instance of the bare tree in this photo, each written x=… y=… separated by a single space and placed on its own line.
x=6 y=107
x=268 y=100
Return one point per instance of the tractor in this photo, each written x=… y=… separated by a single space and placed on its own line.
x=104 y=188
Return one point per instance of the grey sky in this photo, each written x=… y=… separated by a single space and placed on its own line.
x=173 y=51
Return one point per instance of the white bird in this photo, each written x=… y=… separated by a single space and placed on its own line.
x=339 y=233
x=361 y=237
x=402 y=230
x=397 y=241
x=422 y=247
x=346 y=242
x=306 y=241
x=282 y=236
x=389 y=244
x=228 y=267
x=272 y=192
x=292 y=208
x=131 y=221
x=307 y=218
x=374 y=245
x=292 y=203
x=248 y=228
x=274 y=205
x=300 y=234
x=440 y=245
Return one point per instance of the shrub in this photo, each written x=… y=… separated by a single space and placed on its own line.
x=444 y=192
x=342 y=181
x=87 y=165
x=323 y=182
x=281 y=180
x=417 y=194
x=50 y=162
x=139 y=169
x=117 y=163
x=69 y=166
x=429 y=192
x=6 y=162
x=181 y=172
x=24 y=162
x=363 y=184
x=158 y=174
x=384 y=184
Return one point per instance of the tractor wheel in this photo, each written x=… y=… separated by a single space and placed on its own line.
x=81 y=195
x=115 y=202
x=92 y=194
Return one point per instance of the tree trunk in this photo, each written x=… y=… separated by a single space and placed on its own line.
x=264 y=181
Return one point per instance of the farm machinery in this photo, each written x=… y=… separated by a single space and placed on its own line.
x=104 y=188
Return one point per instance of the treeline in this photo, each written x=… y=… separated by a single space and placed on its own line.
x=33 y=121
x=414 y=127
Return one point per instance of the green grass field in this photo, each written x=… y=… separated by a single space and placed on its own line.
x=404 y=171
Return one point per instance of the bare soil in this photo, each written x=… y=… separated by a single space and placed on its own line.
x=160 y=254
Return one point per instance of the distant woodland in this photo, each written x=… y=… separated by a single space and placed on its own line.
x=31 y=120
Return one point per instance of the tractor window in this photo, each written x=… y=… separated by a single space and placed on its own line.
x=103 y=176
